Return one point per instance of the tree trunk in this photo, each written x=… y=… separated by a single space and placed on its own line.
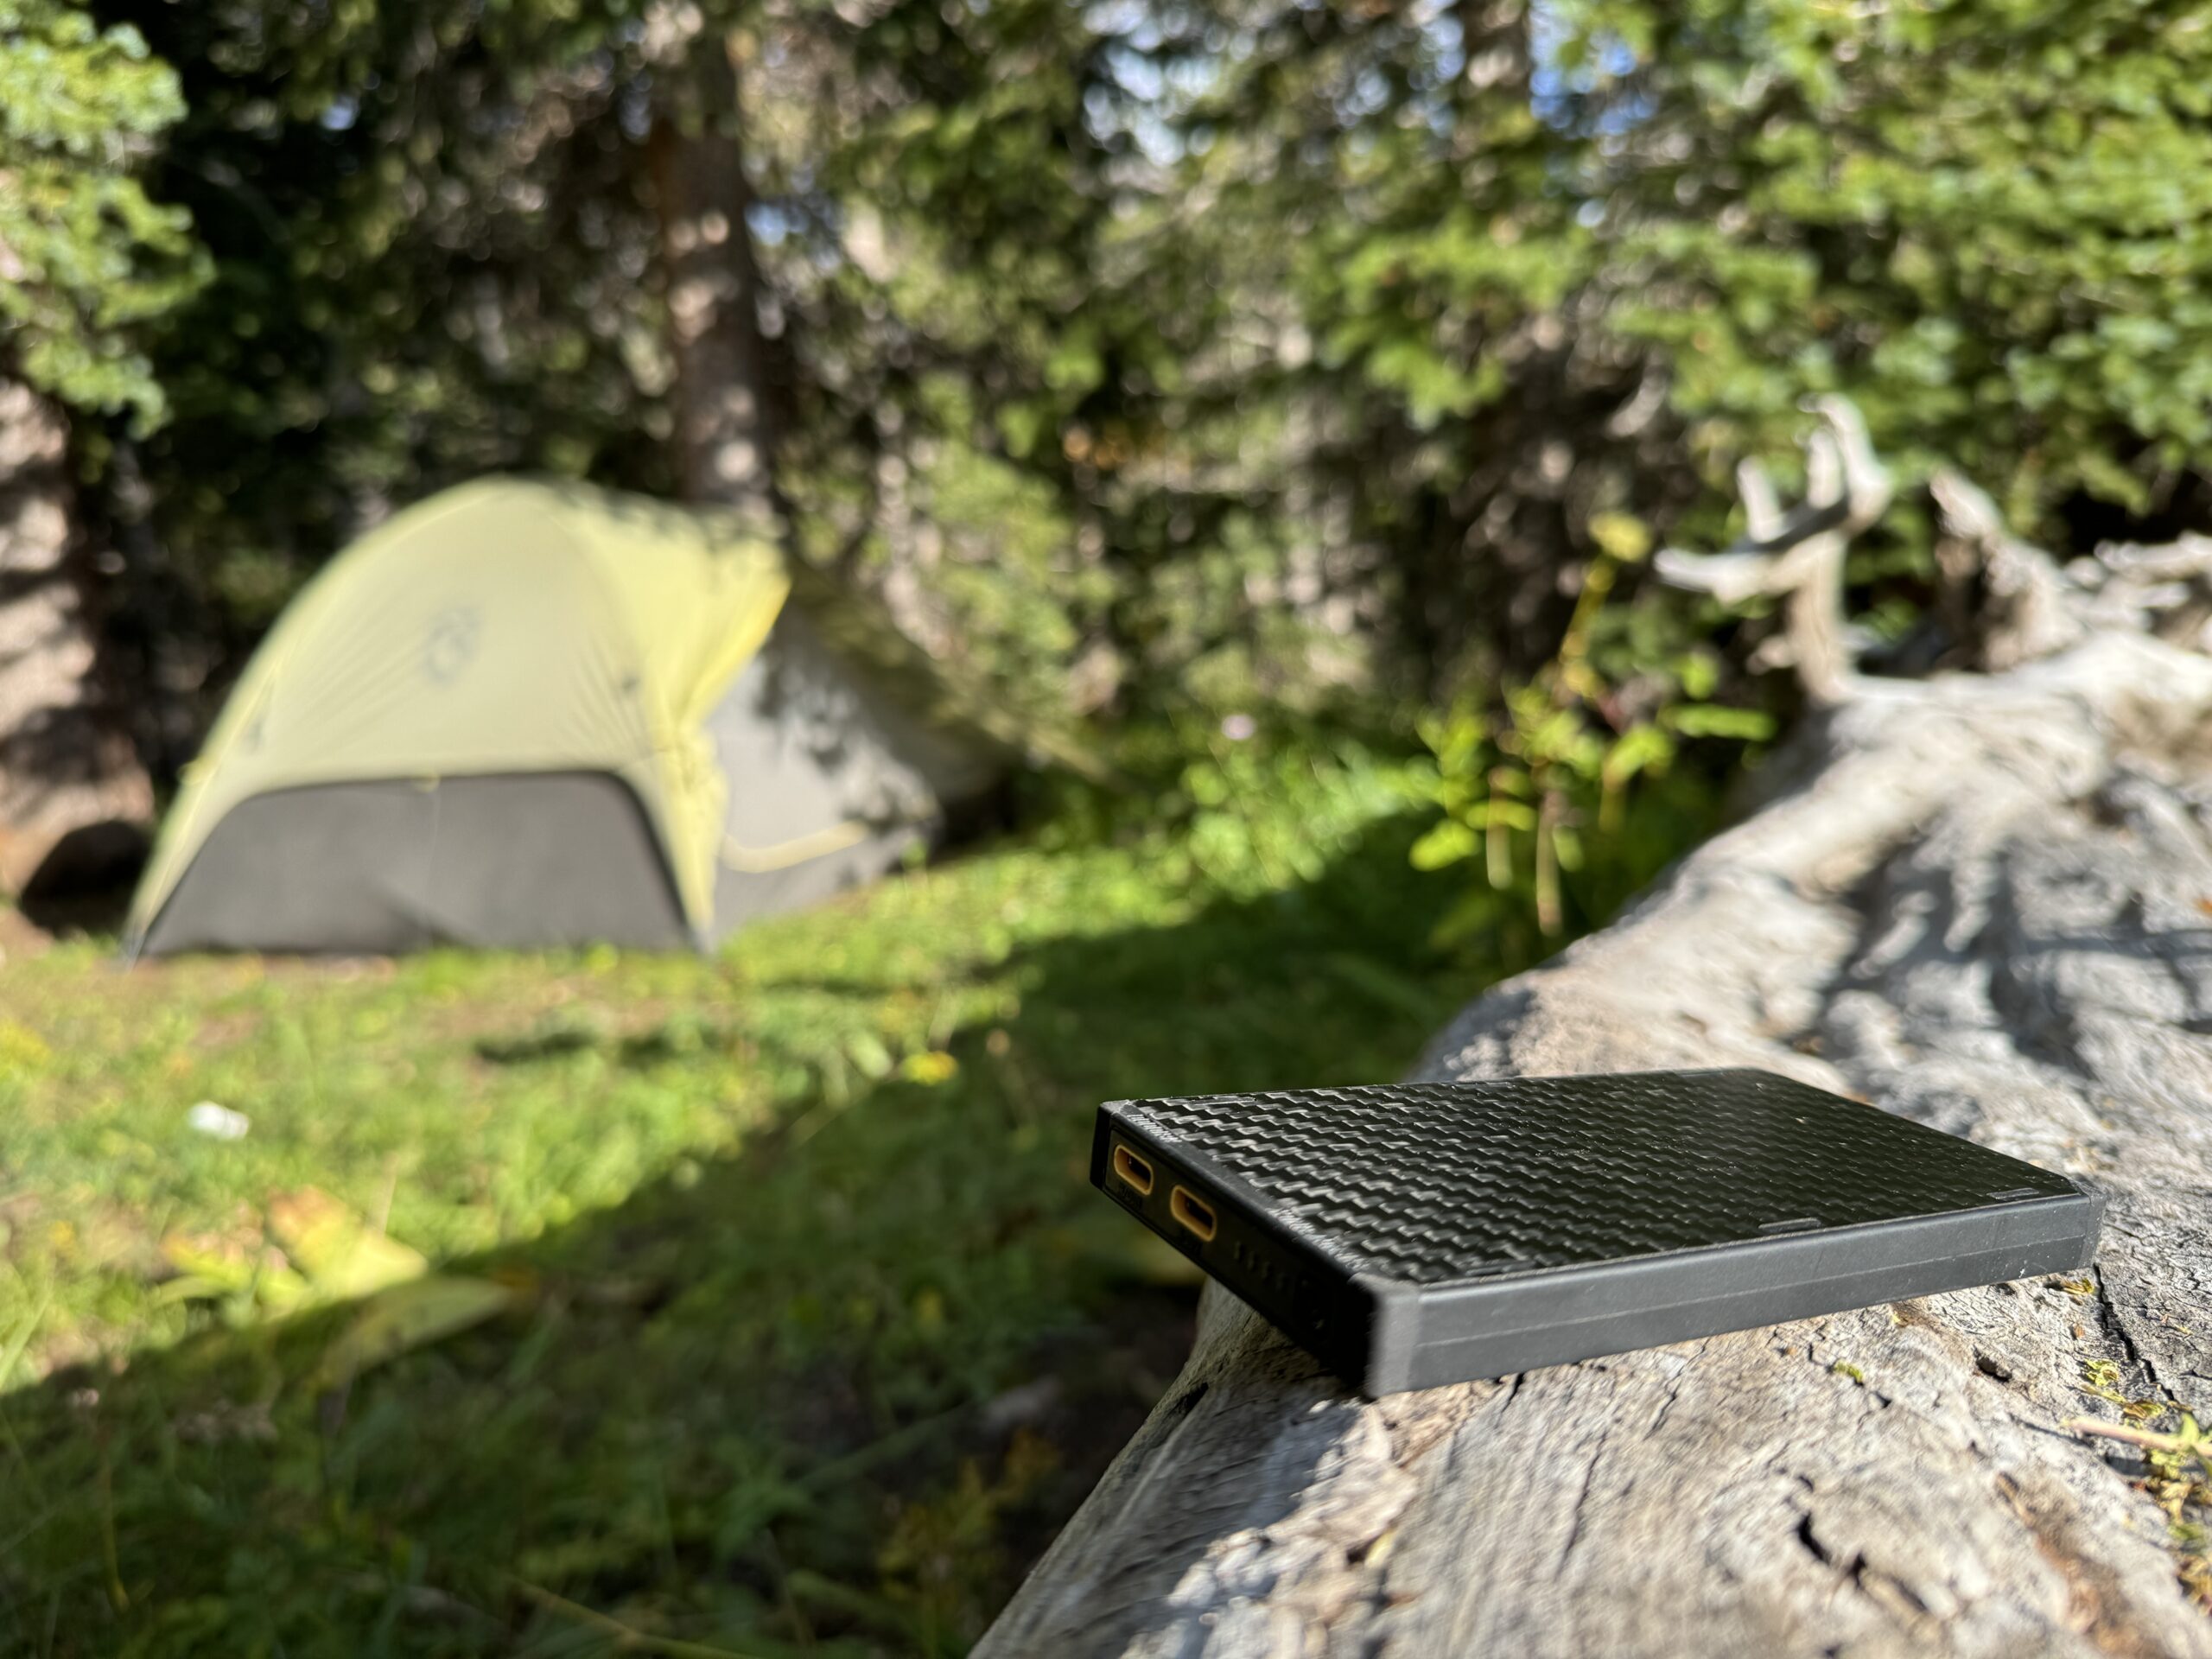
x=70 y=785
x=1980 y=901
x=726 y=432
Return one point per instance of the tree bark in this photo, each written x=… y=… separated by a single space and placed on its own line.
x=1978 y=901
x=726 y=427
x=69 y=776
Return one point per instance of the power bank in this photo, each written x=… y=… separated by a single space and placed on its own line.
x=1420 y=1234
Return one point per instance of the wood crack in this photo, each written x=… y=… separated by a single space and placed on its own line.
x=1581 y=1502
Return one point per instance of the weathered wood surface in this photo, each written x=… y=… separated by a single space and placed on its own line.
x=1983 y=901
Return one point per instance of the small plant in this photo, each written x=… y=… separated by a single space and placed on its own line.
x=1569 y=791
x=2101 y=1378
x=2178 y=1477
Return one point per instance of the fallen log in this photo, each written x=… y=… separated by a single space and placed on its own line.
x=1982 y=900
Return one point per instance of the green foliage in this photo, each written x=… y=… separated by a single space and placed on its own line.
x=1979 y=222
x=775 y=1313
x=86 y=256
x=427 y=260
x=1000 y=279
x=436 y=252
x=1155 y=358
x=1574 y=259
x=1574 y=789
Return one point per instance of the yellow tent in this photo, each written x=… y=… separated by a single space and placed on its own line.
x=534 y=712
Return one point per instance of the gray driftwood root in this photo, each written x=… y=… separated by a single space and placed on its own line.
x=1985 y=902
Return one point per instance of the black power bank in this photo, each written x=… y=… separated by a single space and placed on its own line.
x=1420 y=1234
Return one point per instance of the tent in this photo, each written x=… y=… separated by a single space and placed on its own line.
x=535 y=713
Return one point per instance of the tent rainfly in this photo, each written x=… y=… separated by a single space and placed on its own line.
x=535 y=714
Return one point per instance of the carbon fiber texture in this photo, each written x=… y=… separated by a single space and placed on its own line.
x=1432 y=1183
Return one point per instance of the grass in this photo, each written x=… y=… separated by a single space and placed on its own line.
x=806 y=1330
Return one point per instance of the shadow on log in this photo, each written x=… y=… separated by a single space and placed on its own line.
x=1983 y=901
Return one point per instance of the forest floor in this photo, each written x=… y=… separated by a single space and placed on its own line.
x=594 y=1302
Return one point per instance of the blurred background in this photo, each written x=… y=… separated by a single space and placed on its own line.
x=1271 y=409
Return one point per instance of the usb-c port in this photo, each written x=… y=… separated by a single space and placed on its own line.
x=1135 y=1170
x=1194 y=1212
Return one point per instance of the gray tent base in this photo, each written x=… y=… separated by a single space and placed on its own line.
x=521 y=860
x=377 y=868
